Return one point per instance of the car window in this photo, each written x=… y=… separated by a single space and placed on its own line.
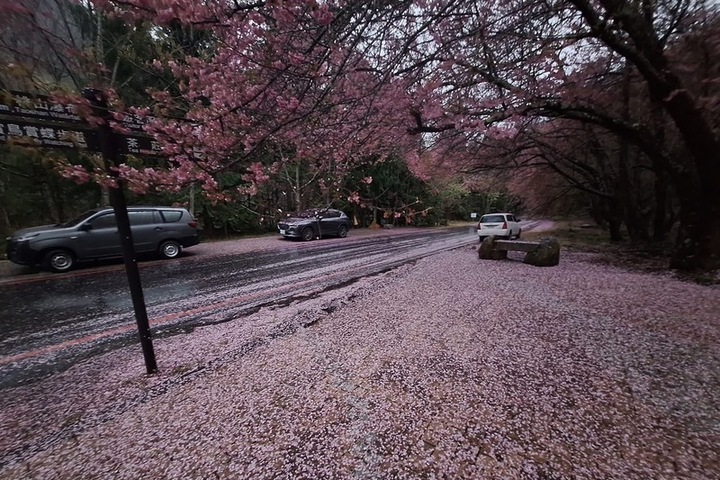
x=492 y=219
x=331 y=214
x=78 y=219
x=144 y=217
x=103 y=221
x=511 y=218
x=171 y=215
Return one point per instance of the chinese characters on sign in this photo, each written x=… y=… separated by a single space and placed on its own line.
x=46 y=136
x=139 y=145
x=135 y=122
x=37 y=121
x=37 y=106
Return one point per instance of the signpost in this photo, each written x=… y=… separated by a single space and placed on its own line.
x=34 y=120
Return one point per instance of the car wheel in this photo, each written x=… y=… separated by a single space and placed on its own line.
x=170 y=249
x=308 y=234
x=518 y=234
x=59 y=260
x=480 y=239
x=342 y=231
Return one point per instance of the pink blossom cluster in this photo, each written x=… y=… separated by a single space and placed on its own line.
x=274 y=80
x=429 y=82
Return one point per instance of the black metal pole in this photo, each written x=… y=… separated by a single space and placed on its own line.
x=108 y=143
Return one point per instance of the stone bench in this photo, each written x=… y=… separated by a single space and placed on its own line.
x=545 y=253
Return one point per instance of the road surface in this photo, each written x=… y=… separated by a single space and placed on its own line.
x=49 y=322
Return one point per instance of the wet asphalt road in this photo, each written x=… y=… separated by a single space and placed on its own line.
x=51 y=322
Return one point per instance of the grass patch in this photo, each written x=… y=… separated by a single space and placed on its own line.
x=586 y=237
x=575 y=235
x=644 y=257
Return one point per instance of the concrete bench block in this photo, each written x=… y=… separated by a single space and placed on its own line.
x=547 y=253
x=487 y=250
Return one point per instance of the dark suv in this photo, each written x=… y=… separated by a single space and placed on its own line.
x=94 y=235
x=315 y=224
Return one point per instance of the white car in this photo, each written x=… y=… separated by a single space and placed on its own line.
x=502 y=225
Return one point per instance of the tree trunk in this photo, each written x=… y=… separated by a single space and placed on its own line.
x=298 y=194
x=52 y=211
x=661 y=225
x=660 y=222
x=615 y=231
x=4 y=217
x=104 y=196
x=612 y=213
x=636 y=228
x=374 y=224
x=697 y=246
x=628 y=207
x=698 y=243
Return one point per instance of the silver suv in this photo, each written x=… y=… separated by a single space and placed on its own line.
x=94 y=235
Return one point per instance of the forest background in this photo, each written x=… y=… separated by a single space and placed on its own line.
x=399 y=112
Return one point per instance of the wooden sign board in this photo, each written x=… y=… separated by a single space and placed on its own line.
x=28 y=105
x=36 y=134
x=34 y=120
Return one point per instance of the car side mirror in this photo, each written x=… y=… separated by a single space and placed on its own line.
x=85 y=227
x=518 y=220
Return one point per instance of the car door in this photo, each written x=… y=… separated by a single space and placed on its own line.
x=146 y=228
x=329 y=222
x=99 y=237
x=513 y=225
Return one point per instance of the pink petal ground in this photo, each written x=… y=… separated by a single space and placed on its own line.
x=450 y=368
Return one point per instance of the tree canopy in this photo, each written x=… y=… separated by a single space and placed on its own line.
x=339 y=83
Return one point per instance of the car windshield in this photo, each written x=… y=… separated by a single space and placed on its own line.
x=77 y=219
x=492 y=219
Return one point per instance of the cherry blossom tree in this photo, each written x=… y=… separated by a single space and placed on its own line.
x=481 y=67
x=472 y=67
x=340 y=82
x=277 y=76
